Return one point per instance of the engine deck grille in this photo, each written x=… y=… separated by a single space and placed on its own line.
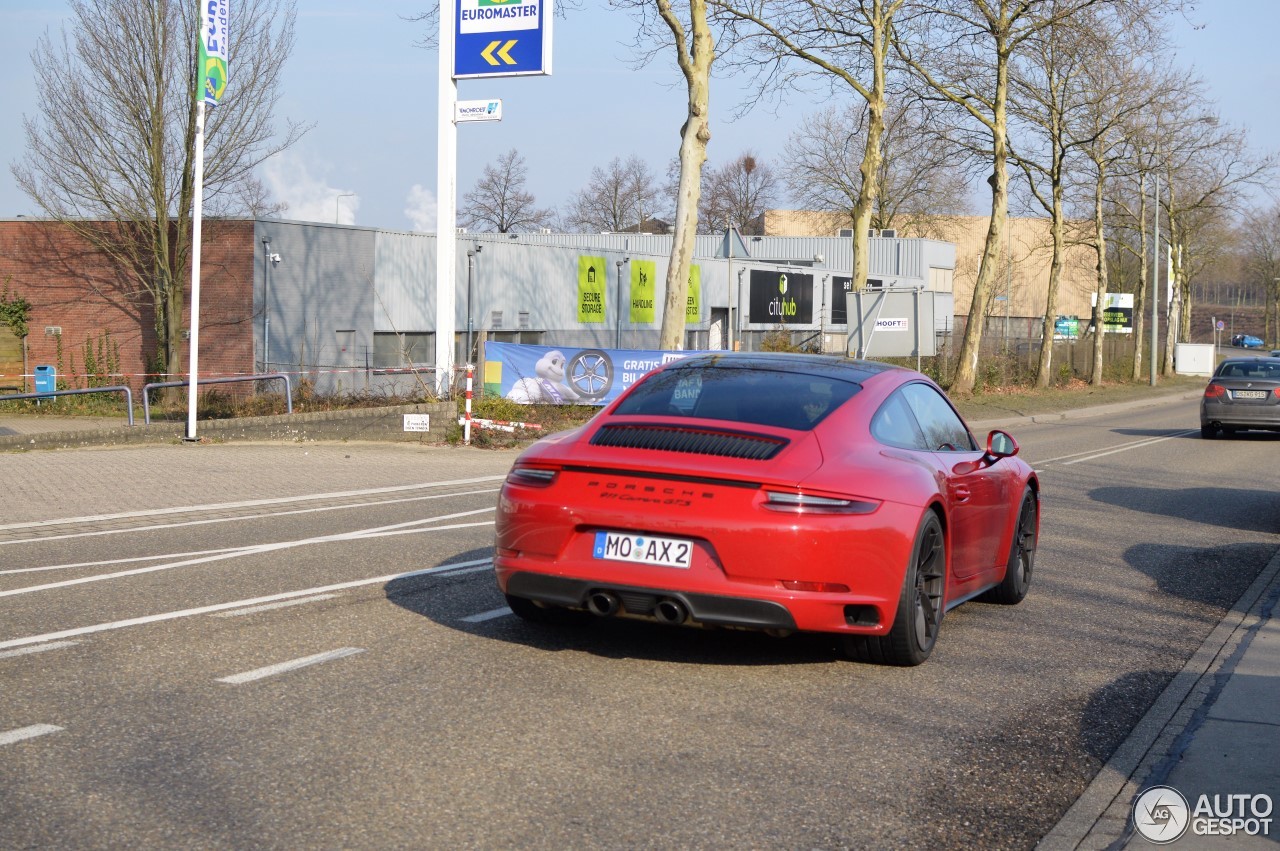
x=728 y=444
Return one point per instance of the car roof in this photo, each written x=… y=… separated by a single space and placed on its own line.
x=826 y=366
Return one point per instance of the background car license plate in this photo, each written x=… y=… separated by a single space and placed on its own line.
x=644 y=549
x=1248 y=394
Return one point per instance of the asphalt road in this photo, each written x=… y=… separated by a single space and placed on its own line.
x=228 y=646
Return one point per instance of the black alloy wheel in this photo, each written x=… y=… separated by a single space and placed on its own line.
x=1022 y=556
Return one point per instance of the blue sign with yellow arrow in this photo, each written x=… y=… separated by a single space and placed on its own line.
x=502 y=38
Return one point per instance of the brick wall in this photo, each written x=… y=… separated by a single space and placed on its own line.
x=75 y=288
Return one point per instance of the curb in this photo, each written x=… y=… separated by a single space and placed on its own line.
x=1099 y=818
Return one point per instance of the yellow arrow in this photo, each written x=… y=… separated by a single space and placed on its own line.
x=503 y=54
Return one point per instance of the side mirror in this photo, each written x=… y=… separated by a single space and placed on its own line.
x=1000 y=444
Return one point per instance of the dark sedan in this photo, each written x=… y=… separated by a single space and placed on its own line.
x=1244 y=393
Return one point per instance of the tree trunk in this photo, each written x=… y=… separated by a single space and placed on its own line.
x=1044 y=373
x=1140 y=306
x=967 y=360
x=695 y=63
x=1099 y=306
x=872 y=157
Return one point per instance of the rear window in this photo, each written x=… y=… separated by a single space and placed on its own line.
x=1259 y=369
x=755 y=396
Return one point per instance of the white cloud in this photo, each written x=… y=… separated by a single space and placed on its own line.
x=421 y=208
x=310 y=199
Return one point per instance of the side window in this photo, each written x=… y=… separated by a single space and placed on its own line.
x=943 y=429
x=895 y=425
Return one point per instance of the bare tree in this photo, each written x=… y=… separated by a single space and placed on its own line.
x=1206 y=166
x=848 y=43
x=737 y=195
x=961 y=51
x=921 y=174
x=110 y=154
x=691 y=38
x=499 y=202
x=616 y=197
x=1260 y=247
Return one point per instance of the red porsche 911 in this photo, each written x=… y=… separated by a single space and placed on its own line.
x=774 y=492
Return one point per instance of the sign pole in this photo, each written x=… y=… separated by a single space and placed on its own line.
x=193 y=344
x=210 y=85
x=446 y=201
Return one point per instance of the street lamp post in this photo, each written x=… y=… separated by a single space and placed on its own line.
x=335 y=204
x=266 y=306
x=617 y=299
x=1155 y=275
x=471 y=265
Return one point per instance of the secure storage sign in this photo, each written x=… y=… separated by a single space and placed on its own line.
x=502 y=38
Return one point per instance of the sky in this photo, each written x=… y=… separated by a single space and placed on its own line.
x=358 y=74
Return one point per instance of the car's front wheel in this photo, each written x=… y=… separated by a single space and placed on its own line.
x=915 y=627
x=1022 y=555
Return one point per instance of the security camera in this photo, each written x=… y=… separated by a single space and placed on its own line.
x=818 y=258
x=479 y=248
x=275 y=259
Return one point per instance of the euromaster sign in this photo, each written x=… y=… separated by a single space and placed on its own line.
x=502 y=38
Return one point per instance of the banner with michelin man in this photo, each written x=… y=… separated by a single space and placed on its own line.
x=547 y=375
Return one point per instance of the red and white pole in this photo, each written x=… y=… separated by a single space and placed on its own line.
x=466 y=427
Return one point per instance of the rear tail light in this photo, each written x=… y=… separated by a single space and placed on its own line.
x=811 y=503
x=538 y=477
x=1215 y=391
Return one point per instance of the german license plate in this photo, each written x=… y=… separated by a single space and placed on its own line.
x=644 y=549
x=1248 y=394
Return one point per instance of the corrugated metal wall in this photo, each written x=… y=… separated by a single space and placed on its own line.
x=336 y=286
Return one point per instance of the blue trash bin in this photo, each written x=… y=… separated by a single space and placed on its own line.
x=46 y=379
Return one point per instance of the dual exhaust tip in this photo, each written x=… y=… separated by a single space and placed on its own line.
x=668 y=610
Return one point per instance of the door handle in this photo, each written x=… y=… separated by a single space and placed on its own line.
x=961 y=493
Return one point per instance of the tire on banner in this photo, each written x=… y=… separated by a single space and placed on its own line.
x=590 y=372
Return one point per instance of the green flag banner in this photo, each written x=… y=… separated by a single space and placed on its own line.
x=592 y=275
x=211 y=72
x=643 y=291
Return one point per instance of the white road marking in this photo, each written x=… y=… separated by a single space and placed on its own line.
x=1140 y=445
x=40 y=648
x=253 y=610
x=1135 y=444
x=205 y=521
x=31 y=732
x=255 y=549
x=488 y=565
x=487 y=616
x=250 y=503
x=292 y=665
x=131 y=560
x=220 y=607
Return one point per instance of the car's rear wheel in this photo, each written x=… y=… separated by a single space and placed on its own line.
x=1022 y=556
x=528 y=610
x=1207 y=431
x=915 y=627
